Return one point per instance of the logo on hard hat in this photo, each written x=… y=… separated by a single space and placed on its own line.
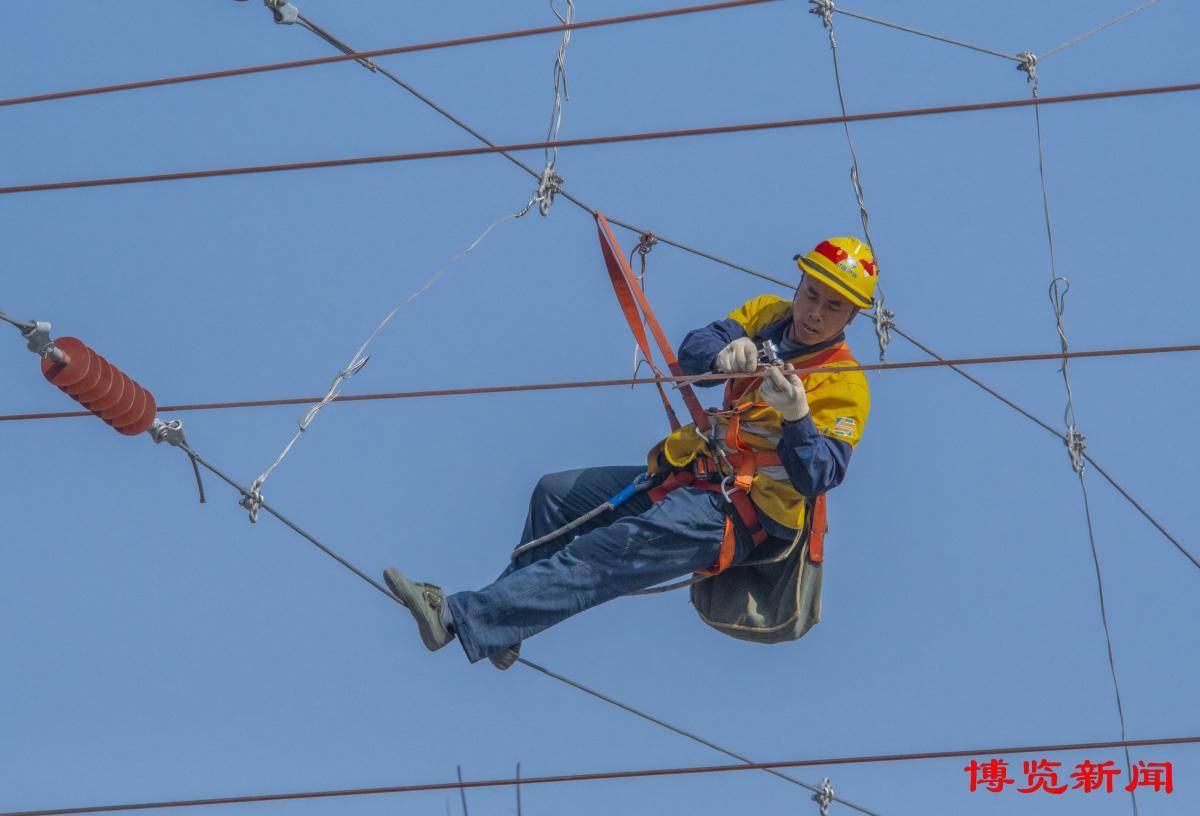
x=844 y=261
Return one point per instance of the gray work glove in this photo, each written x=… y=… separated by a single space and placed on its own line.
x=784 y=391
x=740 y=356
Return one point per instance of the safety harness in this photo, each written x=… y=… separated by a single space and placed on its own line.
x=736 y=480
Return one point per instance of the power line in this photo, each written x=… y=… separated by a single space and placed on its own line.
x=610 y=775
x=598 y=140
x=382 y=52
x=939 y=362
x=248 y=494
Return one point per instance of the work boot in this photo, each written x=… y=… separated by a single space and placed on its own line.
x=425 y=602
x=505 y=658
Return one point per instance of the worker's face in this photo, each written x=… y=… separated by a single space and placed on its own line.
x=818 y=313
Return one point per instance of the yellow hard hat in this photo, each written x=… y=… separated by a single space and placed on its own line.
x=845 y=265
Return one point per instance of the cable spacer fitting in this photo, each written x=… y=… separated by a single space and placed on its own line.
x=253 y=500
x=884 y=323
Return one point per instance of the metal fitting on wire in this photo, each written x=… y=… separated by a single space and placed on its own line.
x=172 y=433
x=1075 y=442
x=549 y=184
x=253 y=500
x=824 y=797
x=38 y=340
x=283 y=12
x=884 y=323
x=1027 y=62
x=823 y=9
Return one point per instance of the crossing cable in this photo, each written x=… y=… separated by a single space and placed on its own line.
x=937 y=362
x=1059 y=287
x=883 y=316
x=1014 y=57
x=383 y=52
x=549 y=183
x=520 y=780
x=360 y=359
x=616 y=139
x=247 y=495
x=547 y=186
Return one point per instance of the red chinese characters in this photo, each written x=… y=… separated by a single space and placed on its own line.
x=1042 y=776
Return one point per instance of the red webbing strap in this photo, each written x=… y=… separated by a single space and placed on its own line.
x=631 y=297
x=816 y=531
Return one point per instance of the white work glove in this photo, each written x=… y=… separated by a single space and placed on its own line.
x=740 y=356
x=784 y=391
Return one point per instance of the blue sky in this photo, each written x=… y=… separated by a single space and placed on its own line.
x=159 y=649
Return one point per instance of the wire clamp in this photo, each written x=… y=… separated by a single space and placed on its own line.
x=1027 y=62
x=253 y=500
x=1075 y=442
x=823 y=9
x=646 y=242
x=824 y=797
x=884 y=323
x=549 y=184
x=172 y=433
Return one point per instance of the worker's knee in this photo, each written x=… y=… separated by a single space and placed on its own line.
x=552 y=488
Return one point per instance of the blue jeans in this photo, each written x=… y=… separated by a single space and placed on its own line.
x=635 y=546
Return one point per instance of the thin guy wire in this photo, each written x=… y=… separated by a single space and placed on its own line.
x=613 y=139
x=361 y=358
x=825 y=11
x=684 y=733
x=937 y=362
x=517 y=787
x=938 y=37
x=1112 y=665
x=245 y=491
x=1059 y=286
x=610 y=775
x=561 y=93
x=1096 y=30
x=382 y=52
x=462 y=792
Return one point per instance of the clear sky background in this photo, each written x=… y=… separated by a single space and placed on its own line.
x=154 y=648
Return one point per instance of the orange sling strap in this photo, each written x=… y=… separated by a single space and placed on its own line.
x=631 y=297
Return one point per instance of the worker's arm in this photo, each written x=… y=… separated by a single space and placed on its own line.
x=698 y=351
x=815 y=463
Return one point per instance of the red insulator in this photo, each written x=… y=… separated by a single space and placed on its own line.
x=101 y=387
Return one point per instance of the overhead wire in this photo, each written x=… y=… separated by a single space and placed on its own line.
x=1081 y=37
x=939 y=37
x=246 y=493
x=508 y=149
x=937 y=362
x=384 y=52
x=518 y=781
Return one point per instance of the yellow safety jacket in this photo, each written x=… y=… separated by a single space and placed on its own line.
x=838 y=401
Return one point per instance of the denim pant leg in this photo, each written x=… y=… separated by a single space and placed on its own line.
x=562 y=497
x=675 y=537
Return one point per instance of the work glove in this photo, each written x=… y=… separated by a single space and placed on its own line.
x=784 y=391
x=739 y=356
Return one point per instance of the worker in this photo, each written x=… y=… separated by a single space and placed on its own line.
x=798 y=432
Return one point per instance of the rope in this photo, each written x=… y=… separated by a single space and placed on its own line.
x=246 y=494
x=824 y=9
x=938 y=37
x=937 y=362
x=519 y=780
x=253 y=501
x=1097 y=29
x=504 y=150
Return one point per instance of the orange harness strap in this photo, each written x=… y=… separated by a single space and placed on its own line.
x=631 y=297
